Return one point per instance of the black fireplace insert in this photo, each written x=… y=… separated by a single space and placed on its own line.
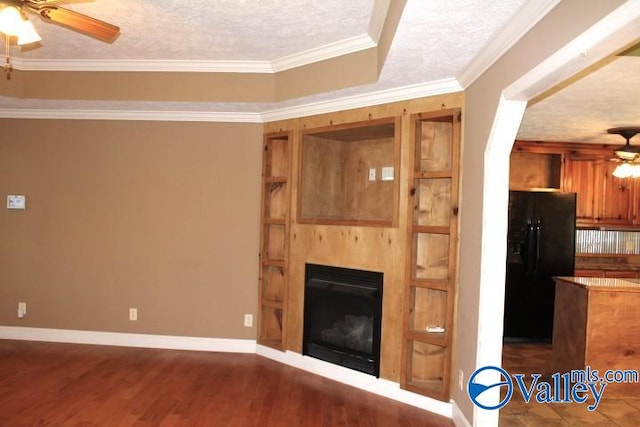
x=342 y=316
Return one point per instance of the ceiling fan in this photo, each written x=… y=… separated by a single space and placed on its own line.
x=628 y=155
x=51 y=11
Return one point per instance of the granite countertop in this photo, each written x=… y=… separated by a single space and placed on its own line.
x=602 y=283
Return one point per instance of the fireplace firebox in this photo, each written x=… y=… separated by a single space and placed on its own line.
x=342 y=316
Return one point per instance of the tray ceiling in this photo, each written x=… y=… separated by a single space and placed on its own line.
x=438 y=46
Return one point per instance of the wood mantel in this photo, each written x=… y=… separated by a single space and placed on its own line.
x=595 y=324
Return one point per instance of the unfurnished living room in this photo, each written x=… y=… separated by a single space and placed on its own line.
x=279 y=212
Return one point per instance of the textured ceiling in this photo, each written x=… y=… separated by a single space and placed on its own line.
x=607 y=97
x=187 y=30
x=436 y=40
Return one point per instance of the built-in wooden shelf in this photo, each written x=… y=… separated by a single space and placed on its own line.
x=436 y=338
x=275 y=180
x=274 y=240
x=437 y=284
x=431 y=268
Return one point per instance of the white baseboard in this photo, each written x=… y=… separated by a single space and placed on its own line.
x=128 y=340
x=382 y=387
x=458 y=417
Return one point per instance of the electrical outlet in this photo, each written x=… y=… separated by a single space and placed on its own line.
x=22 y=309
x=372 y=174
x=248 y=320
x=133 y=314
x=461 y=379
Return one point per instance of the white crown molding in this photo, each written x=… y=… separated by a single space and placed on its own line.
x=142 y=65
x=169 y=116
x=385 y=96
x=128 y=340
x=379 y=386
x=321 y=53
x=310 y=56
x=530 y=14
x=378 y=18
x=345 y=103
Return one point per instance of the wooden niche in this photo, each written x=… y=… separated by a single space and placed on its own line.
x=349 y=174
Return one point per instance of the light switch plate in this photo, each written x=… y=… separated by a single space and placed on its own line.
x=16 y=202
x=387 y=173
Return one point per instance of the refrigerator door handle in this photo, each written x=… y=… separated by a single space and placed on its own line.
x=537 y=243
x=531 y=249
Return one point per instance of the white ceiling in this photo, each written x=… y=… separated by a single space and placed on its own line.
x=583 y=111
x=212 y=30
x=439 y=46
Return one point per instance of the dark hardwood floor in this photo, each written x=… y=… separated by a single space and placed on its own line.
x=50 y=384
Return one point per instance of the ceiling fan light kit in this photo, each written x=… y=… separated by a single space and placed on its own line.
x=15 y=25
x=13 y=22
x=628 y=155
x=627 y=170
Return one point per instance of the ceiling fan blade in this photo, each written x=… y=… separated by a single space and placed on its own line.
x=80 y=22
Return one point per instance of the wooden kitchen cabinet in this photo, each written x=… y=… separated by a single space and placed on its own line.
x=535 y=171
x=580 y=178
x=602 y=199
x=595 y=325
x=617 y=203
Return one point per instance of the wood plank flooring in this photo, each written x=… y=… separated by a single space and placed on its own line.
x=536 y=358
x=50 y=384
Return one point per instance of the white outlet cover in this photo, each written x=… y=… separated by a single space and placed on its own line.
x=372 y=174
x=248 y=320
x=16 y=202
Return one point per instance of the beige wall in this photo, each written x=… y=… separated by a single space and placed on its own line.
x=478 y=245
x=161 y=216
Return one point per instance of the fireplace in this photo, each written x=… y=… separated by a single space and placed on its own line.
x=342 y=316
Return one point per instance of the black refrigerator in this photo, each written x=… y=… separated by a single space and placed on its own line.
x=540 y=245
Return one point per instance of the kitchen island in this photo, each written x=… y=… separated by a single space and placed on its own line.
x=597 y=325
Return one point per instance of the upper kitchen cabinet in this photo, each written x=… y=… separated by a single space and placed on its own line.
x=535 y=171
x=619 y=201
x=603 y=200
x=580 y=178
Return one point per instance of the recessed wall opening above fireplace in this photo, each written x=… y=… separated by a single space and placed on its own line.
x=342 y=316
